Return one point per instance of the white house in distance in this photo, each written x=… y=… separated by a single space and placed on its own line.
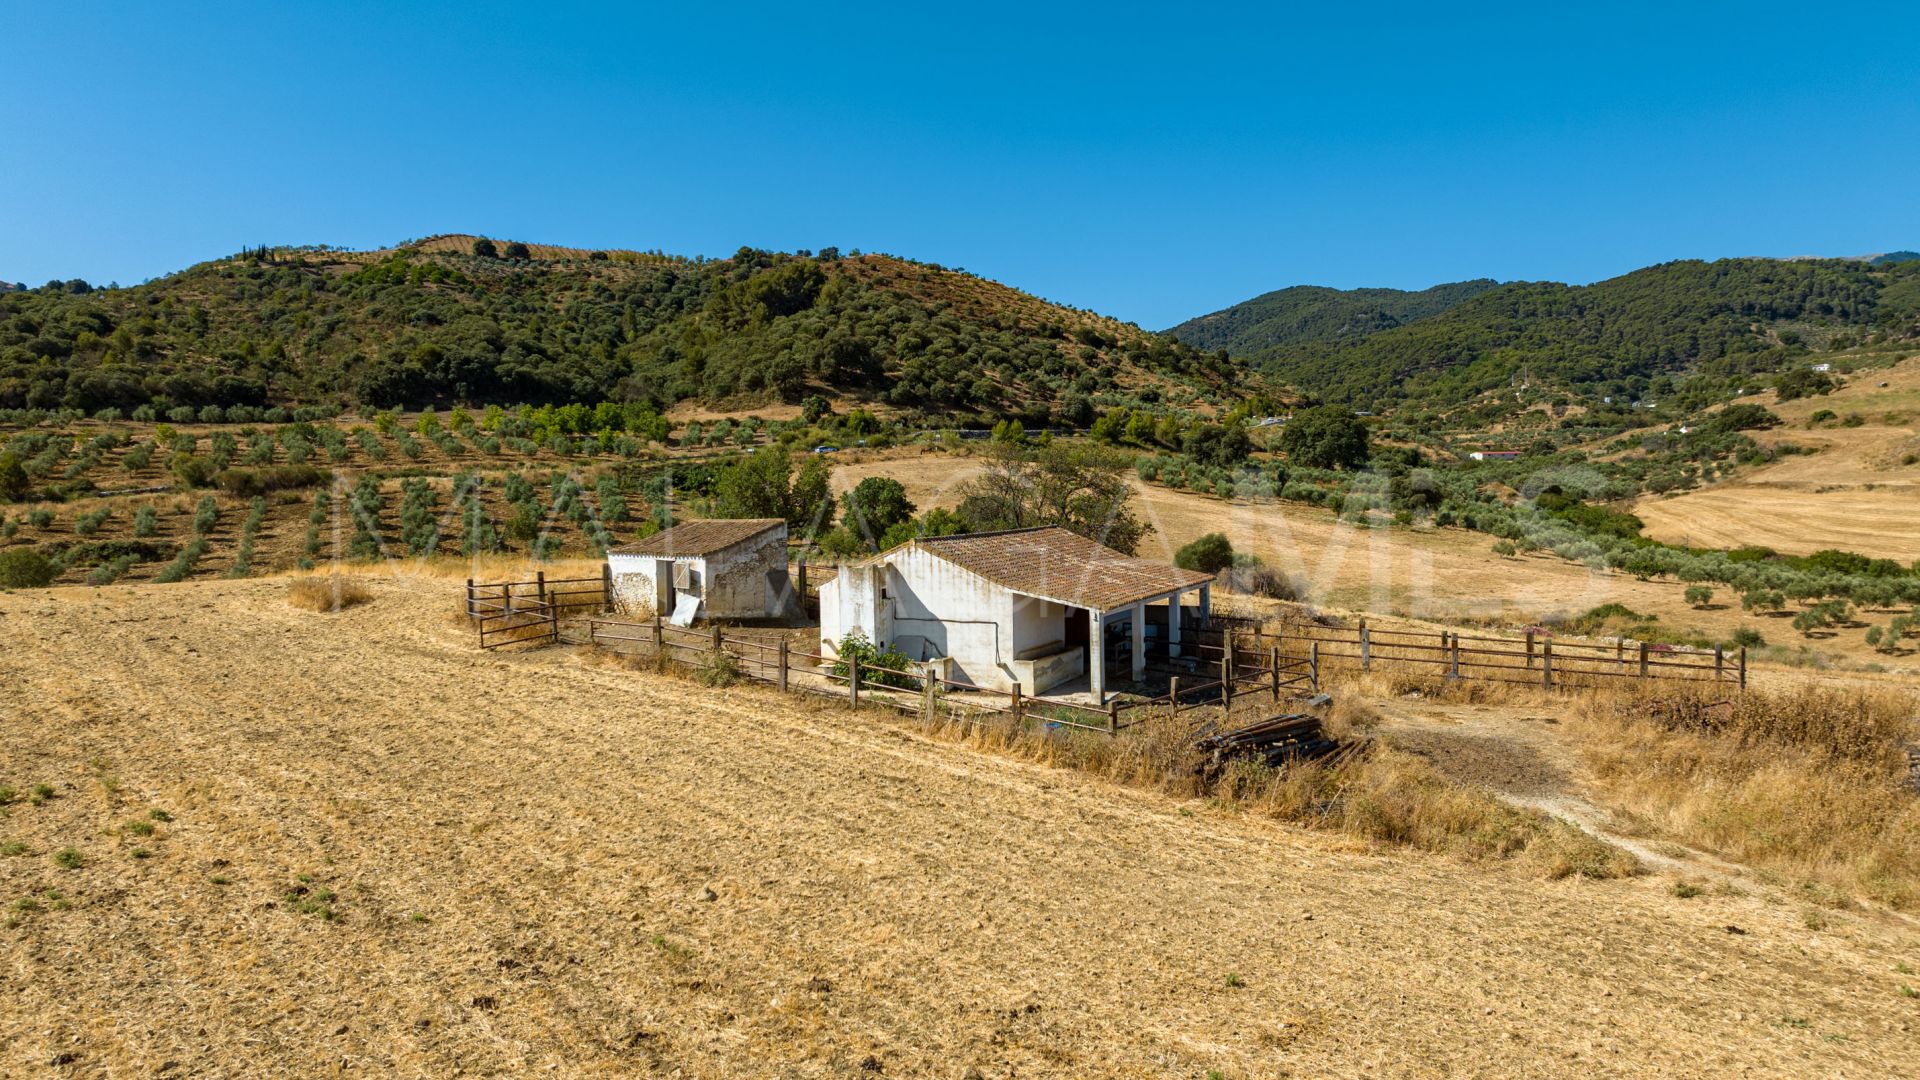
x=1025 y=607
x=730 y=568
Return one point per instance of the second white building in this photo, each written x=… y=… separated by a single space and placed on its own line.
x=1034 y=608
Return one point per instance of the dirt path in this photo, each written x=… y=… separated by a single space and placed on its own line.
x=1518 y=754
x=537 y=863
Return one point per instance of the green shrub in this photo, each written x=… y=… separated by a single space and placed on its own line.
x=111 y=571
x=88 y=524
x=205 y=516
x=26 y=568
x=1210 y=554
x=183 y=563
x=855 y=646
x=247 y=483
x=146 y=521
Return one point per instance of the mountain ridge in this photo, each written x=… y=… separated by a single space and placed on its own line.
x=432 y=321
x=1303 y=313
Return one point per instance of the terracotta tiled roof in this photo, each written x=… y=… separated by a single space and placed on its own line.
x=1063 y=566
x=697 y=538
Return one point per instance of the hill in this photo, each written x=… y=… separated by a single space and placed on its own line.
x=432 y=322
x=1729 y=318
x=1306 y=313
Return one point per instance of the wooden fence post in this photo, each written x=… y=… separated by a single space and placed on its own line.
x=1743 y=667
x=1273 y=670
x=1456 y=654
x=801 y=566
x=1643 y=659
x=1019 y=710
x=659 y=638
x=782 y=677
x=1366 y=647
x=1113 y=717
x=1546 y=663
x=1620 y=651
x=1313 y=664
x=718 y=641
x=606 y=585
x=853 y=681
x=469 y=598
x=1719 y=664
x=540 y=585
x=1226 y=682
x=1529 y=648
x=553 y=623
x=1173 y=696
x=926 y=695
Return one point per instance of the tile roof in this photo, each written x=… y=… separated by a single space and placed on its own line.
x=697 y=538
x=1063 y=566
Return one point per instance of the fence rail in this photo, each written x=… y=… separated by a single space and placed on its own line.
x=1242 y=672
x=530 y=622
x=505 y=611
x=1534 y=658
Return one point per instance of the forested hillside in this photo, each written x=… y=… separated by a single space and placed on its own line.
x=438 y=322
x=1313 y=313
x=1728 y=318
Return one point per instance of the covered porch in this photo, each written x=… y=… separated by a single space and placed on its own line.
x=1120 y=641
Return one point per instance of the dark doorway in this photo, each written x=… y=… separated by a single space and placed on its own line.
x=1077 y=626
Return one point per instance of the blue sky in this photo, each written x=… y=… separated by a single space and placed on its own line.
x=1148 y=162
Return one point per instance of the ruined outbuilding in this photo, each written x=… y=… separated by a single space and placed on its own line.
x=730 y=569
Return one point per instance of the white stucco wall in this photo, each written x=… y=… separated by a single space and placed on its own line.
x=745 y=581
x=639 y=589
x=933 y=608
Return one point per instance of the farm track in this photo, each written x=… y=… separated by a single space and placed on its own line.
x=877 y=896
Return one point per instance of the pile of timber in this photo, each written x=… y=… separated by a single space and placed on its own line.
x=1274 y=741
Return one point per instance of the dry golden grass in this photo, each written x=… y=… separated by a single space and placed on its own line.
x=1367 y=791
x=1805 y=781
x=327 y=592
x=1858 y=492
x=539 y=866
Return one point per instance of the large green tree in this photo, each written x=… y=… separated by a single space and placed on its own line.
x=1327 y=437
x=875 y=505
x=14 y=483
x=1078 y=486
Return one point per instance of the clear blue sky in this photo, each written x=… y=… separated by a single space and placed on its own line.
x=1148 y=162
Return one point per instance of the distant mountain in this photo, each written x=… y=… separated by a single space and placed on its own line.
x=1306 y=313
x=1730 y=317
x=1892 y=257
x=458 y=318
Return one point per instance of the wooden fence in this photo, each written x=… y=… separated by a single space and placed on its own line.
x=527 y=621
x=507 y=611
x=1534 y=658
x=498 y=597
x=1241 y=672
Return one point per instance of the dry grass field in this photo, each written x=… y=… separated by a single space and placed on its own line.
x=1859 y=492
x=249 y=839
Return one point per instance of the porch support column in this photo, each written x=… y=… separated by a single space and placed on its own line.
x=1097 y=656
x=1206 y=604
x=1173 y=624
x=1139 y=651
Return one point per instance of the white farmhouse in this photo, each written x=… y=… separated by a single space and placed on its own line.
x=1033 y=608
x=733 y=568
